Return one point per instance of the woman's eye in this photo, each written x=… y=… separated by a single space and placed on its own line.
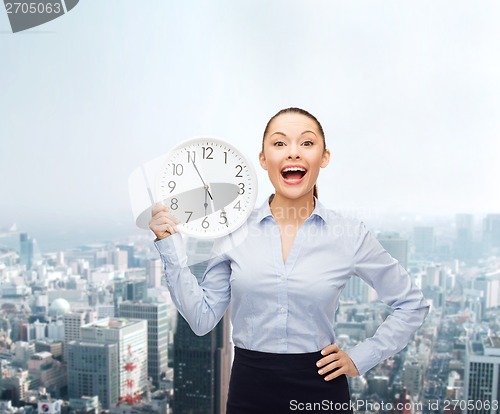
x=307 y=143
x=279 y=143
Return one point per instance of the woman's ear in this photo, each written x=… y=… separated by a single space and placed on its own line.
x=262 y=160
x=326 y=158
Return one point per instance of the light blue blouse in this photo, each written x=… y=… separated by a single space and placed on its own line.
x=290 y=307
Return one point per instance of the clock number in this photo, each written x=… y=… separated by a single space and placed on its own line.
x=191 y=154
x=242 y=188
x=223 y=217
x=225 y=157
x=190 y=214
x=238 y=174
x=173 y=204
x=171 y=185
x=205 y=224
x=207 y=153
x=237 y=206
x=178 y=169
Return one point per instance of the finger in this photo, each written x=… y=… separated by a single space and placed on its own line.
x=170 y=229
x=163 y=217
x=169 y=216
x=330 y=367
x=336 y=374
x=326 y=360
x=160 y=229
x=157 y=208
x=160 y=219
x=329 y=349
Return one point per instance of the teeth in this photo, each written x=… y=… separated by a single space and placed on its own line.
x=294 y=169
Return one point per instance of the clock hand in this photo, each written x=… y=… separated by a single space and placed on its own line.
x=206 y=204
x=203 y=181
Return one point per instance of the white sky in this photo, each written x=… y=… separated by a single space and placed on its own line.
x=408 y=94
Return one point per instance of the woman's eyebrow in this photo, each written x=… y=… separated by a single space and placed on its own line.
x=305 y=132
x=283 y=134
x=279 y=133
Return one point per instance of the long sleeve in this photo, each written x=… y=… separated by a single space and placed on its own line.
x=394 y=287
x=201 y=304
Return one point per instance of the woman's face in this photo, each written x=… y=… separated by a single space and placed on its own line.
x=293 y=152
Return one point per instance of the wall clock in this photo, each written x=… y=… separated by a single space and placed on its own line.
x=208 y=185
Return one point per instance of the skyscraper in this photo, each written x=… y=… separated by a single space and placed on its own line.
x=134 y=290
x=120 y=259
x=154 y=272
x=489 y=286
x=93 y=369
x=73 y=321
x=157 y=318
x=201 y=364
x=423 y=240
x=129 y=248
x=482 y=373
x=491 y=233
x=26 y=250
x=396 y=246
x=131 y=338
x=464 y=243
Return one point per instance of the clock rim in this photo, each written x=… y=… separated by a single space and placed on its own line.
x=253 y=178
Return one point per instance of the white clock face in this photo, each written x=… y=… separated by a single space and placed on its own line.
x=209 y=186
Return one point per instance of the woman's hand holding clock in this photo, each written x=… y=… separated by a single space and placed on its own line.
x=162 y=223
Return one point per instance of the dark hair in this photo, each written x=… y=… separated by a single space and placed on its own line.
x=293 y=110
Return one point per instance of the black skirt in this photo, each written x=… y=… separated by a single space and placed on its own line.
x=264 y=382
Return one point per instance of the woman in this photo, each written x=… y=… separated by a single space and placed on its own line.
x=284 y=281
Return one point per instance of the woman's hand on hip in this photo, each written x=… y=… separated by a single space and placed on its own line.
x=336 y=362
x=162 y=223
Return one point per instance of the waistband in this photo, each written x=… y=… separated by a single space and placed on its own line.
x=268 y=360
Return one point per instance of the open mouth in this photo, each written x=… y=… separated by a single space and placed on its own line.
x=293 y=175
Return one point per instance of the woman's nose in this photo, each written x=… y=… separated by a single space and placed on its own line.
x=293 y=152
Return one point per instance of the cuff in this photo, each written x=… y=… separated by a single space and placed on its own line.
x=172 y=251
x=362 y=356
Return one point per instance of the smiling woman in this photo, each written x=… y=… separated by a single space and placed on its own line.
x=311 y=135
x=284 y=279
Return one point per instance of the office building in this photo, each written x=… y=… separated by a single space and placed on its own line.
x=482 y=372
x=423 y=240
x=55 y=347
x=120 y=259
x=413 y=375
x=464 y=239
x=129 y=248
x=131 y=338
x=396 y=246
x=154 y=273
x=491 y=234
x=46 y=372
x=209 y=354
x=156 y=315
x=134 y=290
x=94 y=369
x=105 y=311
x=27 y=250
x=489 y=285
x=73 y=321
